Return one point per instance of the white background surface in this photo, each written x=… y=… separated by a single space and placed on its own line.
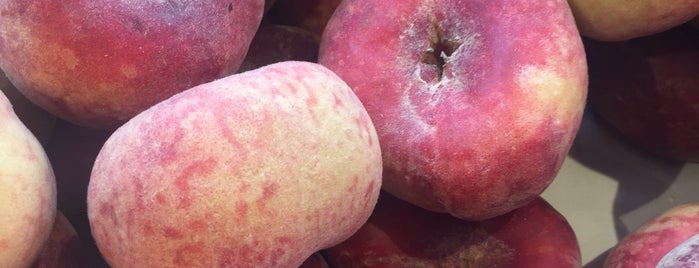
x=608 y=188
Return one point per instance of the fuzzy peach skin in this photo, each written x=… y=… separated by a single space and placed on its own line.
x=476 y=103
x=99 y=63
x=27 y=191
x=258 y=169
x=401 y=235
x=647 y=245
x=618 y=20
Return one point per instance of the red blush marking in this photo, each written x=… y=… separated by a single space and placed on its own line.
x=4 y=245
x=138 y=192
x=107 y=210
x=338 y=104
x=312 y=99
x=160 y=198
x=355 y=181
x=241 y=211
x=197 y=225
x=244 y=186
x=196 y=169
x=268 y=191
x=188 y=252
x=148 y=229
x=363 y=126
x=369 y=190
x=172 y=233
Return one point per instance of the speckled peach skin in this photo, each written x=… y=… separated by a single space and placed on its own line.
x=476 y=103
x=648 y=244
x=258 y=169
x=27 y=191
x=99 y=63
x=618 y=20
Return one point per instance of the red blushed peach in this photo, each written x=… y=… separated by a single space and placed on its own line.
x=62 y=249
x=618 y=20
x=99 y=63
x=27 y=191
x=258 y=169
x=399 y=234
x=647 y=245
x=646 y=88
x=475 y=103
x=276 y=43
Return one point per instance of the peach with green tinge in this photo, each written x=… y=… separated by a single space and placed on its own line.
x=99 y=63
x=475 y=103
x=261 y=168
x=27 y=191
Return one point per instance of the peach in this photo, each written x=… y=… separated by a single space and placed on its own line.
x=475 y=103
x=258 y=169
x=646 y=89
x=276 y=43
x=647 y=245
x=99 y=63
x=27 y=191
x=399 y=234
x=618 y=20
x=62 y=249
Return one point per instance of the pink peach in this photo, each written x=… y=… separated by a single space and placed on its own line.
x=258 y=169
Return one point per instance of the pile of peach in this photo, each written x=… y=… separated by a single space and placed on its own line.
x=329 y=133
